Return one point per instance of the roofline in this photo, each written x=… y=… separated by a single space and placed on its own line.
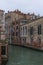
x=31 y=21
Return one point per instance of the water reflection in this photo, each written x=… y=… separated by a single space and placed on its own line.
x=24 y=56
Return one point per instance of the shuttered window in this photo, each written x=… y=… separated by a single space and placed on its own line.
x=31 y=30
x=39 y=29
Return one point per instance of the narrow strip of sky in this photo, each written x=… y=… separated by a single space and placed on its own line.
x=26 y=6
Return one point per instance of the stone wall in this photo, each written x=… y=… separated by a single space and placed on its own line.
x=34 y=40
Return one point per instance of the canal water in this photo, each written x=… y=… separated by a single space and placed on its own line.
x=24 y=56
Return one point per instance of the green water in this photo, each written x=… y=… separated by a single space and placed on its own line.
x=24 y=56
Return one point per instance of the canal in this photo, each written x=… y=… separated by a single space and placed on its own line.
x=24 y=56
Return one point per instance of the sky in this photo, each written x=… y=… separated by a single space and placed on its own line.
x=26 y=6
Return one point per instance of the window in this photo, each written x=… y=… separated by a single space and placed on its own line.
x=16 y=27
x=3 y=50
x=16 y=22
x=31 y=30
x=13 y=33
x=39 y=29
x=24 y=40
x=13 y=23
x=26 y=29
x=16 y=33
x=1 y=15
x=23 y=30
